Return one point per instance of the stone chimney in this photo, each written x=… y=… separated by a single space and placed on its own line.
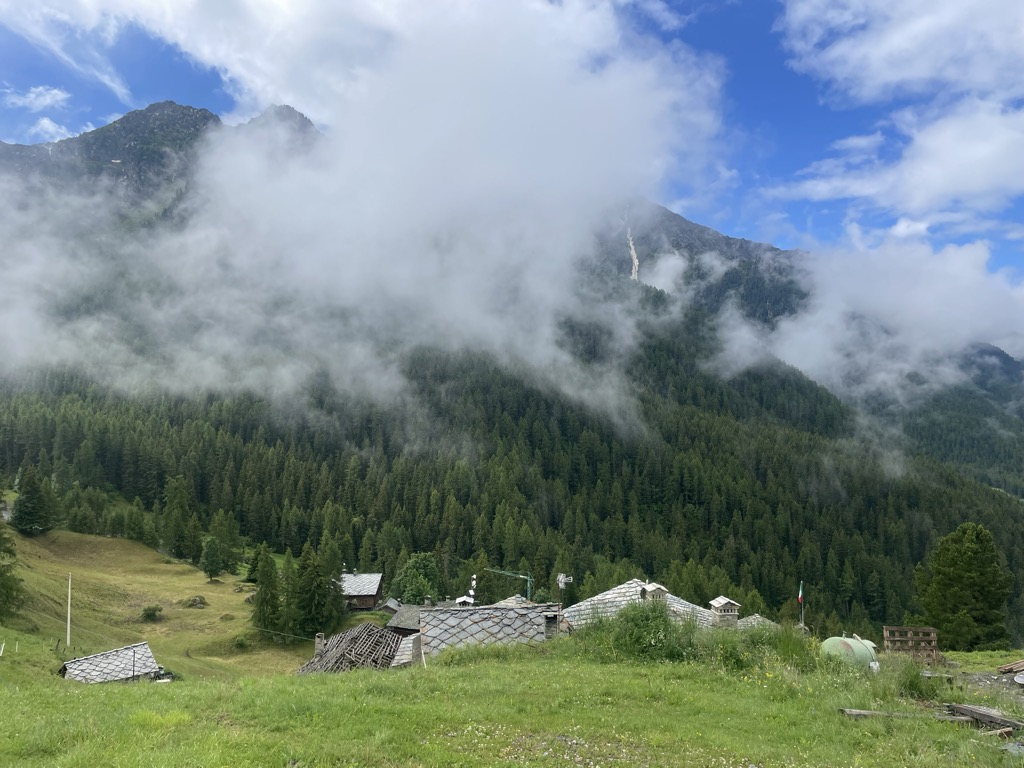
x=427 y=602
x=652 y=591
x=318 y=648
x=724 y=612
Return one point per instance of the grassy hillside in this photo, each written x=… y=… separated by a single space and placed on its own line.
x=114 y=579
x=575 y=701
x=546 y=706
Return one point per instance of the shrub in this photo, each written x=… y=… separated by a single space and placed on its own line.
x=152 y=613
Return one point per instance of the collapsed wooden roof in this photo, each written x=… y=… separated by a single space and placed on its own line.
x=365 y=645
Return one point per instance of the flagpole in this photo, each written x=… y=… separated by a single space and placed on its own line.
x=800 y=599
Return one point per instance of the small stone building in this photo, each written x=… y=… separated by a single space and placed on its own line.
x=133 y=662
x=610 y=602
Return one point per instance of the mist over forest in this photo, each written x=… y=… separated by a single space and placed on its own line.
x=396 y=331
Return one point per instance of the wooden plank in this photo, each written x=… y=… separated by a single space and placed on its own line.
x=1017 y=666
x=861 y=713
x=1001 y=732
x=858 y=714
x=985 y=715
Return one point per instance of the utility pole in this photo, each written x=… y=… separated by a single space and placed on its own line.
x=67 y=640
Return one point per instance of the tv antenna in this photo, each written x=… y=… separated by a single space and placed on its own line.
x=525 y=576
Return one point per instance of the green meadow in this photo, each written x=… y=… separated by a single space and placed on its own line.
x=605 y=697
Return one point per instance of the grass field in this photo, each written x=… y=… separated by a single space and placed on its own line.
x=114 y=579
x=566 y=703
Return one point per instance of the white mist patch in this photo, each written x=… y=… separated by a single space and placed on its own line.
x=464 y=174
x=666 y=272
x=890 y=321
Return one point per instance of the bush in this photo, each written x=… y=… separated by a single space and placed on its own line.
x=900 y=677
x=646 y=631
x=152 y=613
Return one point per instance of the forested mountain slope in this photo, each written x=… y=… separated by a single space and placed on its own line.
x=622 y=450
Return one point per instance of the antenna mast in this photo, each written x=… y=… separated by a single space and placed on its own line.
x=525 y=576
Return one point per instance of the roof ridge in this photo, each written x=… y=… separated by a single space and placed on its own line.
x=104 y=653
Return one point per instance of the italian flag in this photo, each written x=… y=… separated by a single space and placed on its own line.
x=800 y=597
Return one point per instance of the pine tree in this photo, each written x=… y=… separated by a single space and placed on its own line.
x=289 y=620
x=266 y=603
x=11 y=593
x=211 y=561
x=193 y=541
x=964 y=587
x=224 y=528
x=312 y=592
x=34 y=509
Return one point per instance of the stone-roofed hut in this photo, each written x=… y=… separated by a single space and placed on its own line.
x=391 y=606
x=755 y=620
x=609 y=603
x=133 y=662
x=406 y=620
x=442 y=628
x=362 y=591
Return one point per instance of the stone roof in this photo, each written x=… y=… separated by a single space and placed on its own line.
x=722 y=600
x=408 y=651
x=608 y=604
x=755 y=620
x=360 y=584
x=391 y=606
x=406 y=617
x=516 y=601
x=365 y=645
x=442 y=628
x=128 y=663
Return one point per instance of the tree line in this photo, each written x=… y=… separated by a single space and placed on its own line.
x=742 y=487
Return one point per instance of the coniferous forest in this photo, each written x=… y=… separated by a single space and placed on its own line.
x=744 y=482
x=743 y=487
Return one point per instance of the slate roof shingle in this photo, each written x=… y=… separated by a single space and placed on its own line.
x=407 y=617
x=755 y=620
x=609 y=603
x=408 y=651
x=129 y=663
x=360 y=584
x=442 y=628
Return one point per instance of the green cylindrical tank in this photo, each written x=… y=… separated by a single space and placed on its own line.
x=851 y=649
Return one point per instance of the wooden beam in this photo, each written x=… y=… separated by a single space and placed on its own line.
x=985 y=715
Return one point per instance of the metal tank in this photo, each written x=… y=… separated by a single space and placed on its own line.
x=854 y=650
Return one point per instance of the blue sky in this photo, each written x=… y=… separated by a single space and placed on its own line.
x=854 y=124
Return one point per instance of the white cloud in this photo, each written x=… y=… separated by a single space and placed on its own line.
x=860 y=145
x=871 y=50
x=971 y=157
x=952 y=146
x=46 y=129
x=472 y=154
x=878 y=314
x=37 y=98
